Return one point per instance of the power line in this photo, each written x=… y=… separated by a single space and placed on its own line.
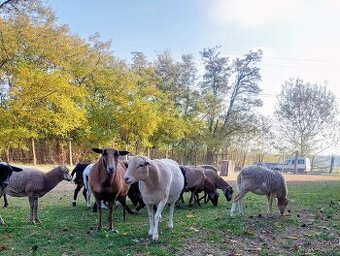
x=333 y=68
x=299 y=59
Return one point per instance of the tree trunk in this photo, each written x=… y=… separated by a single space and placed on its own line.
x=8 y=155
x=210 y=156
x=295 y=163
x=312 y=164
x=167 y=151
x=70 y=152
x=332 y=164
x=34 y=153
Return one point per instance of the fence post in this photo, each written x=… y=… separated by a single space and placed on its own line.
x=227 y=166
x=33 y=152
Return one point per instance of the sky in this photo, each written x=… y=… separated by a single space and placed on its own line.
x=298 y=37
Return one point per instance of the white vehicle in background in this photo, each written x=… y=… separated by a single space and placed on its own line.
x=302 y=166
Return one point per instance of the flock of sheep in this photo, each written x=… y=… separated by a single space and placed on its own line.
x=151 y=183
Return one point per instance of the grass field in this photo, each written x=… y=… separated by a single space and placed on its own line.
x=311 y=227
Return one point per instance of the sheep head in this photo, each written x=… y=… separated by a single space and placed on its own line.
x=66 y=173
x=228 y=193
x=110 y=157
x=213 y=197
x=282 y=204
x=137 y=169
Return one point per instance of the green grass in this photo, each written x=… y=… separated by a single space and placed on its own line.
x=312 y=227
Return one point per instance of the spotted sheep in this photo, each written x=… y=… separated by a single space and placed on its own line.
x=77 y=175
x=261 y=181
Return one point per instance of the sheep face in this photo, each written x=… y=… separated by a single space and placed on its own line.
x=66 y=173
x=110 y=158
x=228 y=193
x=213 y=197
x=5 y=173
x=282 y=204
x=137 y=170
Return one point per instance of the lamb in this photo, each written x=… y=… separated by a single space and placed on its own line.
x=6 y=171
x=160 y=182
x=35 y=184
x=106 y=181
x=261 y=181
x=196 y=181
x=77 y=175
x=219 y=183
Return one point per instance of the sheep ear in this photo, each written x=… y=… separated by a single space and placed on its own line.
x=15 y=169
x=123 y=153
x=126 y=164
x=147 y=162
x=97 y=150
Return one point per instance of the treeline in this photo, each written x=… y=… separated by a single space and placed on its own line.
x=60 y=92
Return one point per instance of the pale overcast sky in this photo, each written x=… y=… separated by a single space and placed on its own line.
x=298 y=37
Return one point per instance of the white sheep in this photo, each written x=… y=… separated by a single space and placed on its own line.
x=86 y=174
x=160 y=183
x=261 y=181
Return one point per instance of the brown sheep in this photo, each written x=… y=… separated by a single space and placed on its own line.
x=195 y=182
x=219 y=183
x=107 y=183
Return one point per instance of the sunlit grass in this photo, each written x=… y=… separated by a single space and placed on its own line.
x=66 y=230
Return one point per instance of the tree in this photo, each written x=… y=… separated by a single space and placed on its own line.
x=305 y=115
x=230 y=93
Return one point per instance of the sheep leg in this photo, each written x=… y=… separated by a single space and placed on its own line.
x=110 y=217
x=88 y=199
x=171 y=215
x=31 y=202
x=99 y=210
x=76 y=191
x=1 y=221
x=122 y=201
x=84 y=193
x=191 y=198
x=237 y=201
x=181 y=198
x=35 y=210
x=197 y=199
x=141 y=205
x=150 y=215
x=5 y=201
x=160 y=207
x=205 y=197
x=270 y=205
